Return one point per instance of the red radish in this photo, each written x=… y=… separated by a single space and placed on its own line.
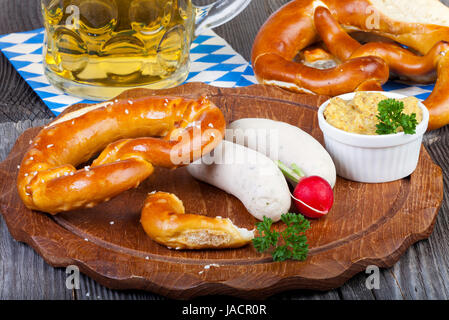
x=313 y=195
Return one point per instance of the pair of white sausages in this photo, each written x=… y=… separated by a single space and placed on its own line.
x=253 y=176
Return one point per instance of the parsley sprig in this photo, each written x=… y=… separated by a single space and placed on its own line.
x=288 y=244
x=391 y=117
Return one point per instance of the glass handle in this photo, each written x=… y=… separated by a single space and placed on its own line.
x=218 y=13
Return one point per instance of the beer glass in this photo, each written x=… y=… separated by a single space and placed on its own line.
x=96 y=49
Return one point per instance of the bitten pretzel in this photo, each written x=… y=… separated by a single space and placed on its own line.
x=165 y=221
x=137 y=134
x=301 y=23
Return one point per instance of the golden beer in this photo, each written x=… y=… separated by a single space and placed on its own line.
x=98 y=48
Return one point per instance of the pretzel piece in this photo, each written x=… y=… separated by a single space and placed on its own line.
x=343 y=78
x=165 y=221
x=312 y=55
x=49 y=181
x=401 y=61
x=286 y=33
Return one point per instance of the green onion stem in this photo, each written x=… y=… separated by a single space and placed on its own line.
x=288 y=172
x=297 y=170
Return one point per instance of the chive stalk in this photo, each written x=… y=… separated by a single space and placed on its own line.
x=298 y=170
x=294 y=173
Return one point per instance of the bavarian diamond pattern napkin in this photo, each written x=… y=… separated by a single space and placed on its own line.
x=213 y=61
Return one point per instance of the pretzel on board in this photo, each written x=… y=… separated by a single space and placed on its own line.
x=133 y=137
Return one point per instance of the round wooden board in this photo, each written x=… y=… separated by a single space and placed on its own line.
x=369 y=223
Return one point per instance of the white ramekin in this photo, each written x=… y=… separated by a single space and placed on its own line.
x=373 y=158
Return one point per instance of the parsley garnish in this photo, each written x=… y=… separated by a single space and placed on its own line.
x=294 y=245
x=391 y=118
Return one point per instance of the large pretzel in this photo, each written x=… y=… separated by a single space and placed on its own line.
x=301 y=23
x=135 y=135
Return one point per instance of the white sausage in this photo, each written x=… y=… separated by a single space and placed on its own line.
x=248 y=175
x=289 y=144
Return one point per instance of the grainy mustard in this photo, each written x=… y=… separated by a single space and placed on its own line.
x=360 y=114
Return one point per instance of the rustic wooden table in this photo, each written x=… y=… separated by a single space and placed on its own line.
x=421 y=273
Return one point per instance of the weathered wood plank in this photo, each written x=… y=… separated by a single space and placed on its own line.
x=23 y=273
x=91 y=290
x=250 y=20
x=307 y=295
x=17 y=100
x=355 y=289
x=9 y=132
x=421 y=273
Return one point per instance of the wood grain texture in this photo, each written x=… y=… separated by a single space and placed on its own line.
x=369 y=224
x=18 y=103
x=23 y=284
x=23 y=274
x=17 y=100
